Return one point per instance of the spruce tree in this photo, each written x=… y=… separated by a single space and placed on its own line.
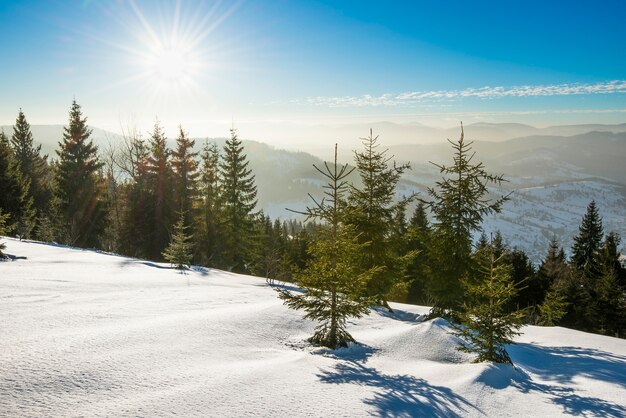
x=32 y=165
x=609 y=297
x=137 y=223
x=418 y=268
x=333 y=282
x=459 y=203
x=554 y=269
x=179 y=252
x=552 y=309
x=15 y=202
x=238 y=200
x=586 y=273
x=531 y=289
x=80 y=185
x=209 y=222
x=186 y=173
x=588 y=241
x=160 y=185
x=486 y=325
x=371 y=210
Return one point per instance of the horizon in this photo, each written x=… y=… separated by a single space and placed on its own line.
x=274 y=70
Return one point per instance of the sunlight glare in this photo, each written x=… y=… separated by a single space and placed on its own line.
x=171 y=66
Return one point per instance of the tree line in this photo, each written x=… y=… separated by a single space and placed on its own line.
x=358 y=247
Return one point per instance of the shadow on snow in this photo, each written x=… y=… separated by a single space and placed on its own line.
x=399 y=395
x=561 y=365
x=399 y=315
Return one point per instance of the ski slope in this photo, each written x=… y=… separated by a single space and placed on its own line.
x=84 y=333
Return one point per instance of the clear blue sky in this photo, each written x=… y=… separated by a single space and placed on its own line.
x=203 y=63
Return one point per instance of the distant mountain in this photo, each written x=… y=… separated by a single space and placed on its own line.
x=318 y=139
x=600 y=154
x=49 y=137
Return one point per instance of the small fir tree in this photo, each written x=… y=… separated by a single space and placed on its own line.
x=486 y=325
x=371 y=210
x=179 y=252
x=333 y=282
x=459 y=203
x=552 y=309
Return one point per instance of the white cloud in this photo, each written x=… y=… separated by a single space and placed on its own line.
x=487 y=92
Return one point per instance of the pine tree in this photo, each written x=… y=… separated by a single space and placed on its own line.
x=185 y=173
x=80 y=185
x=371 y=210
x=32 y=165
x=15 y=202
x=333 y=282
x=587 y=242
x=180 y=251
x=160 y=186
x=238 y=200
x=459 y=203
x=487 y=326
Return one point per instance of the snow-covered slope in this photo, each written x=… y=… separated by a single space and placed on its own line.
x=90 y=334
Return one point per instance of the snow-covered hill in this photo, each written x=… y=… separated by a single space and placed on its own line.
x=90 y=334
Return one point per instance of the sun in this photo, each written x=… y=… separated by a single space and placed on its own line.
x=171 y=64
x=167 y=52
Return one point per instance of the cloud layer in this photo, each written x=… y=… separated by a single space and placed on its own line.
x=488 y=92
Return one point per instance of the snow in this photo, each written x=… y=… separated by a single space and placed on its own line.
x=85 y=333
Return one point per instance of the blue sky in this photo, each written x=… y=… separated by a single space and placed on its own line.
x=204 y=64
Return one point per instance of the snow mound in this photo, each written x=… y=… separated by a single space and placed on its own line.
x=429 y=340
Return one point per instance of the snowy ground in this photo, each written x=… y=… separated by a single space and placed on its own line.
x=90 y=334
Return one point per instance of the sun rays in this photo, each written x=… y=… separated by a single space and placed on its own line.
x=164 y=50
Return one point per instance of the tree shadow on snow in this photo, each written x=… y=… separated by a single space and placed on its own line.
x=204 y=271
x=399 y=315
x=563 y=364
x=500 y=376
x=399 y=395
x=355 y=352
x=281 y=286
x=145 y=263
x=11 y=257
